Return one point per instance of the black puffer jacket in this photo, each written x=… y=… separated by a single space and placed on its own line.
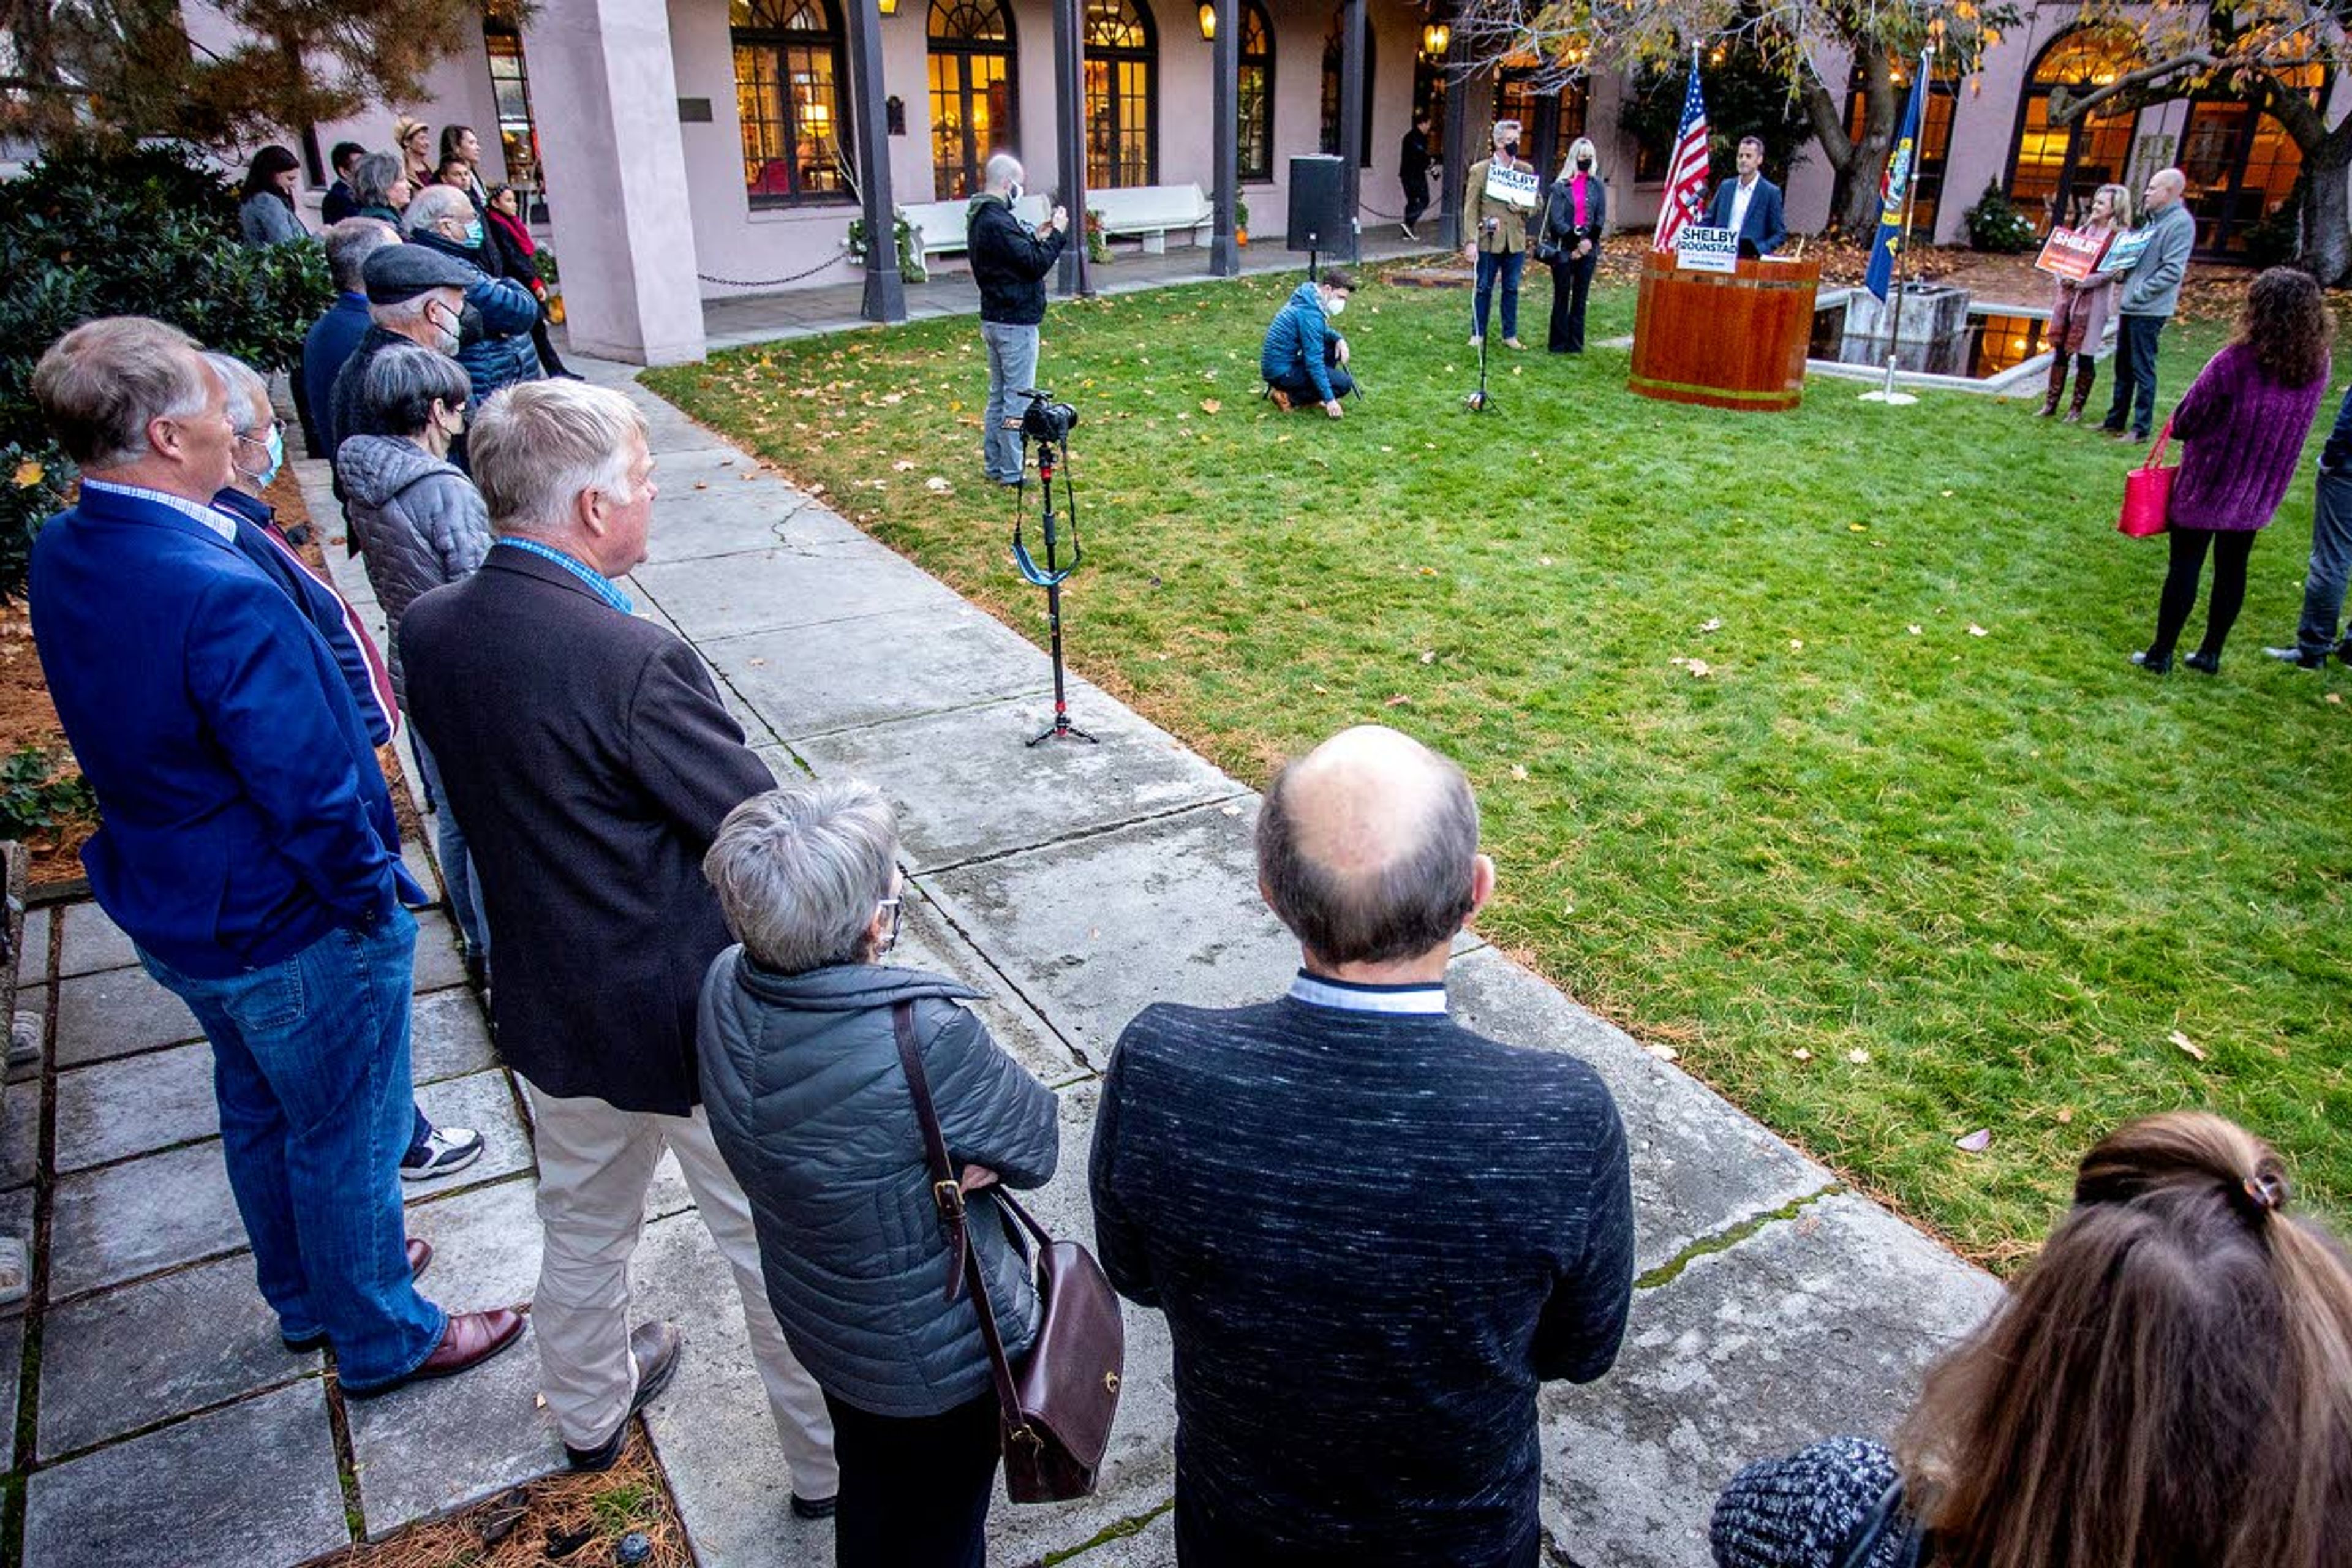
x=808 y=1103
x=1009 y=263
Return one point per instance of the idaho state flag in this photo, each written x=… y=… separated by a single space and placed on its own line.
x=1895 y=190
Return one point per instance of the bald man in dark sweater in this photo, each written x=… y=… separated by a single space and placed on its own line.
x=1372 y=1231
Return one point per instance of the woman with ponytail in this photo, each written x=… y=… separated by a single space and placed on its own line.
x=2169 y=1386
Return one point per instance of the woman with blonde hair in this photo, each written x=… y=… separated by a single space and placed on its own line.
x=2078 y=310
x=1569 y=243
x=2169 y=1386
x=411 y=139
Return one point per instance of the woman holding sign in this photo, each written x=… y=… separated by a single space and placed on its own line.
x=2078 y=308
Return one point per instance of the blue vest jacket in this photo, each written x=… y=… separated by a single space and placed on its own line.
x=243 y=815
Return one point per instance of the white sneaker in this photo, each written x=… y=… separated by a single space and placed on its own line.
x=447 y=1149
x=1409 y=234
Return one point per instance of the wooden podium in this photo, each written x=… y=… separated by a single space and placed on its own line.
x=1724 y=339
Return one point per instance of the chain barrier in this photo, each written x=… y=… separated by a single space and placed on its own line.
x=834 y=260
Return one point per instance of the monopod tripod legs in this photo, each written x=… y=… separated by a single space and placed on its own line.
x=1061 y=729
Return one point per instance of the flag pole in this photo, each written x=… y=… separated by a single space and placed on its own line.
x=1903 y=256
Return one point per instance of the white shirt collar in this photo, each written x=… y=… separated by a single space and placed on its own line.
x=1348 y=997
x=222 y=525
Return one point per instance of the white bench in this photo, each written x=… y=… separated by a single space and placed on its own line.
x=944 y=225
x=1153 y=211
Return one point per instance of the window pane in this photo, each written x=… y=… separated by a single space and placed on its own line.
x=816 y=120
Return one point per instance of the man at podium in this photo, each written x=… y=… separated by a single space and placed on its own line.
x=1750 y=204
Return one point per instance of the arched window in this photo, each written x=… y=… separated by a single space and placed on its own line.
x=2241 y=164
x=1935 y=142
x=1255 y=99
x=2053 y=170
x=971 y=51
x=788 y=92
x=1332 y=49
x=1122 y=91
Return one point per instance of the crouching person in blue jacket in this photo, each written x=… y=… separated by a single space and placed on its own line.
x=811 y=1107
x=1305 y=359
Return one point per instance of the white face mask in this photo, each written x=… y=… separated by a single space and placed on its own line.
x=1335 y=304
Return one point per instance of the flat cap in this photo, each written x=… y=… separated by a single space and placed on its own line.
x=400 y=272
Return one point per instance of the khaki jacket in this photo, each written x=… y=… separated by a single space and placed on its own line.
x=1510 y=231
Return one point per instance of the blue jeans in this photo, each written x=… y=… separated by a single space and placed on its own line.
x=2134 y=373
x=311 y=1068
x=2331 y=566
x=1507 y=263
x=457 y=860
x=1011 y=366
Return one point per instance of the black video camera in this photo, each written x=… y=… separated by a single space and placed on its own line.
x=1043 y=420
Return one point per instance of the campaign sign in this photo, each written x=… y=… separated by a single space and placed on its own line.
x=2126 y=252
x=1517 y=187
x=2069 y=253
x=1699 y=250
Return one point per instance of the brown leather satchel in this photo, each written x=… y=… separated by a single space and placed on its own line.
x=1057 y=1407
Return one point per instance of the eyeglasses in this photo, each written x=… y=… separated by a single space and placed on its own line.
x=261 y=438
x=898 y=916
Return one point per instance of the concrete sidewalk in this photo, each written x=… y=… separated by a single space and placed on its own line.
x=1073 y=885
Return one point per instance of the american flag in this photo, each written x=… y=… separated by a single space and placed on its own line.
x=1685 y=200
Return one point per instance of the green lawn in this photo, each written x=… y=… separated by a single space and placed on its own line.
x=1917 y=853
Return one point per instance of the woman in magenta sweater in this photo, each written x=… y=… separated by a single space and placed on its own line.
x=2242 y=426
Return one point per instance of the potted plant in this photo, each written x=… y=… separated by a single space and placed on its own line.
x=1241 y=221
x=1097 y=242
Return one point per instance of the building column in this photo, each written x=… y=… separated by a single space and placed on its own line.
x=1225 y=99
x=1460 y=84
x=1070 y=143
x=605 y=93
x=1351 y=123
x=886 y=291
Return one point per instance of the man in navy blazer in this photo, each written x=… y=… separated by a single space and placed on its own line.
x=1750 y=204
x=246 y=844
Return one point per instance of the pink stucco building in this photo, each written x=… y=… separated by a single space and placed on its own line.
x=699 y=148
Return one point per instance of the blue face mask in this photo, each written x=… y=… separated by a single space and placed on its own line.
x=275 y=447
x=474 y=235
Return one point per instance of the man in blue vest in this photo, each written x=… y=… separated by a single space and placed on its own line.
x=247 y=844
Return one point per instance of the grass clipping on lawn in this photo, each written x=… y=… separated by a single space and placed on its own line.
x=595 y=1511
x=1806 y=744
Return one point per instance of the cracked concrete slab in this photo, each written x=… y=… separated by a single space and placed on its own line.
x=1095 y=928
x=928 y=942
x=967 y=784
x=1814 y=1326
x=878 y=669
x=1700 y=1165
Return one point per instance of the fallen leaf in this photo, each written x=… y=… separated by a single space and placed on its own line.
x=1912 y=630
x=1519 y=771
x=1858 y=1056
x=2196 y=1052
x=1211 y=406
x=1663 y=1053
x=1712 y=624
x=2066 y=1115
x=1796 y=645
x=2335 y=697
x=1801 y=1054
x=1976 y=1143
x=1430 y=657
x=1857 y=528
x=702 y=484
x=1700 y=668
x=903 y=464
x=1975 y=630
x=938 y=486
x=1232 y=811
x=1399 y=701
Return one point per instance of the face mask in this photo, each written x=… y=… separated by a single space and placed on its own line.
x=1012 y=193
x=449 y=333
x=1510 y=148
x=1584 y=163
x=474 y=235
x=275 y=447
x=1334 y=305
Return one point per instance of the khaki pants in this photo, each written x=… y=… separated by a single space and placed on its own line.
x=594 y=1163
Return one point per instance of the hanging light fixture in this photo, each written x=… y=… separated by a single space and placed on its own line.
x=1208 y=21
x=1435 y=38
x=890 y=7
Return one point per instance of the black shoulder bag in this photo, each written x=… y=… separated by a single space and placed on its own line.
x=1057 y=1408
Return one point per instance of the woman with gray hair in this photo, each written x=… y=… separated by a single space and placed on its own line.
x=420 y=523
x=380 y=189
x=807 y=1102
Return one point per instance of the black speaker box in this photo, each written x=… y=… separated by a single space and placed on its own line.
x=1319 y=204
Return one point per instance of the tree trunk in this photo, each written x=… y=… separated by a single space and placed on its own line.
x=2327 y=246
x=1860 y=164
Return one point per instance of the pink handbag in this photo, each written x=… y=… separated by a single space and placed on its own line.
x=2147 y=493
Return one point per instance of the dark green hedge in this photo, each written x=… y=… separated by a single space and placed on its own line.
x=147 y=232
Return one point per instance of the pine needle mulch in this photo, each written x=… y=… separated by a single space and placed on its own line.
x=574 y=1520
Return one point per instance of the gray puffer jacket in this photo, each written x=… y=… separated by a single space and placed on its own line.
x=807 y=1102
x=420 y=523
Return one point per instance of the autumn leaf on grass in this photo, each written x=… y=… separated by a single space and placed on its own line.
x=1698 y=668
x=1211 y=406
x=1976 y=1143
x=938 y=486
x=1430 y=657
x=2195 y=1051
x=1518 y=771
x=1399 y=701
x=1977 y=631
x=903 y=464
x=1712 y=624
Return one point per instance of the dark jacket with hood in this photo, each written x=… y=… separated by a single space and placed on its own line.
x=1008 y=262
x=420 y=521
x=1300 y=343
x=807 y=1102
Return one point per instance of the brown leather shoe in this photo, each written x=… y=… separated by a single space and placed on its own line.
x=420 y=1258
x=471 y=1339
